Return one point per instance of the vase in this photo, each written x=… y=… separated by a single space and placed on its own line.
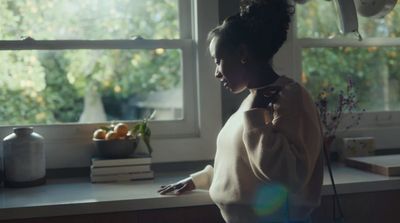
x=24 y=158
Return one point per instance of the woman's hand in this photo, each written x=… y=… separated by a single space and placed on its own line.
x=178 y=187
x=266 y=97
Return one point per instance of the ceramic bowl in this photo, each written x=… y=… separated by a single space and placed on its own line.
x=116 y=148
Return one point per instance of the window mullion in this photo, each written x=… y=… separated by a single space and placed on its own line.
x=309 y=43
x=185 y=19
x=296 y=49
x=93 y=44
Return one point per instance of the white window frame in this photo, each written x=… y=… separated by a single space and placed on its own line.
x=384 y=126
x=189 y=139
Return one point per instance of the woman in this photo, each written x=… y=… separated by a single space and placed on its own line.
x=268 y=165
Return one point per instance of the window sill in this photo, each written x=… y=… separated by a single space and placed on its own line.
x=74 y=196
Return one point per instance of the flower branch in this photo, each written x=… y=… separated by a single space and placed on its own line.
x=332 y=105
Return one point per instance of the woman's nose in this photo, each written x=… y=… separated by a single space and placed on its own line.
x=217 y=73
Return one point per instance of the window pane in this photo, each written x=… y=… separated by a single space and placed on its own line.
x=374 y=70
x=48 y=87
x=317 y=19
x=89 y=19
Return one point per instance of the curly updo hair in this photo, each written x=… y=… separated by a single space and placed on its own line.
x=262 y=25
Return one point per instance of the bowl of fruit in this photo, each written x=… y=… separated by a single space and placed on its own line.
x=115 y=141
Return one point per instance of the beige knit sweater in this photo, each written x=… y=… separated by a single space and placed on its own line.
x=260 y=155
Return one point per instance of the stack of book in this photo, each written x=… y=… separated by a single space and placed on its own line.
x=111 y=170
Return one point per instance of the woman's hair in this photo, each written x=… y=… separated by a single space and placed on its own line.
x=261 y=25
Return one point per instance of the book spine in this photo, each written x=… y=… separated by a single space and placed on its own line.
x=121 y=177
x=116 y=162
x=119 y=169
x=367 y=167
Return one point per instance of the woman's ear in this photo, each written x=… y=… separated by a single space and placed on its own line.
x=243 y=52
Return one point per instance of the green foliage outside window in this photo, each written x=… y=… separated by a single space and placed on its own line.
x=374 y=70
x=47 y=87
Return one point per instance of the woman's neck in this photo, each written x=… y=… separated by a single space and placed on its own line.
x=262 y=78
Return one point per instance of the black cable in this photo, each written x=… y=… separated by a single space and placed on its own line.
x=336 y=200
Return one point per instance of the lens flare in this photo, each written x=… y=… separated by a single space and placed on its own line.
x=269 y=199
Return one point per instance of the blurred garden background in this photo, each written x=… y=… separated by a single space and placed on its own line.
x=82 y=85
x=374 y=70
x=63 y=86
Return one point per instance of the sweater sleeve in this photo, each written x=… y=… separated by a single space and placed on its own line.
x=203 y=178
x=284 y=146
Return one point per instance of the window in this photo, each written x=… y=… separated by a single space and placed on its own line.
x=323 y=57
x=69 y=66
x=74 y=84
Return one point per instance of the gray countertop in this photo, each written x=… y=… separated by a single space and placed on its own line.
x=72 y=196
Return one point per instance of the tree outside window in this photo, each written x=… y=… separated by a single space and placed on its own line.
x=329 y=59
x=87 y=85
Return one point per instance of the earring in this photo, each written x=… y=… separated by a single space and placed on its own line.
x=243 y=61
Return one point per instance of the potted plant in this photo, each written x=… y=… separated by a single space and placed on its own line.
x=142 y=130
x=332 y=104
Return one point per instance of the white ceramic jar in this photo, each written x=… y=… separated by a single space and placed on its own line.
x=24 y=158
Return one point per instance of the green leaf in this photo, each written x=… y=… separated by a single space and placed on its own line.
x=147 y=132
x=106 y=128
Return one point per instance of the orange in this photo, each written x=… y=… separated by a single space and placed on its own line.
x=99 y=134
x=121 y=129
x=111 y=135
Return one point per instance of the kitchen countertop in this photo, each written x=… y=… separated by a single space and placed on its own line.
x=73 y=196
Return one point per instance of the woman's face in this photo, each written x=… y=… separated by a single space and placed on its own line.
x=230 y=71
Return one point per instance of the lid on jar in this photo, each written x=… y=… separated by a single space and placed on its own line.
x=23 y=130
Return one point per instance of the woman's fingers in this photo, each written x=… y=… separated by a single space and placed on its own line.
x=187 y=186
x=166 y=189
x=169 y=188
x=182 y=189
x=162 y=188
x=178 y=187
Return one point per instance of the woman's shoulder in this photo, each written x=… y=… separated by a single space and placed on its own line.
x=292 y=92
x=288 y=85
